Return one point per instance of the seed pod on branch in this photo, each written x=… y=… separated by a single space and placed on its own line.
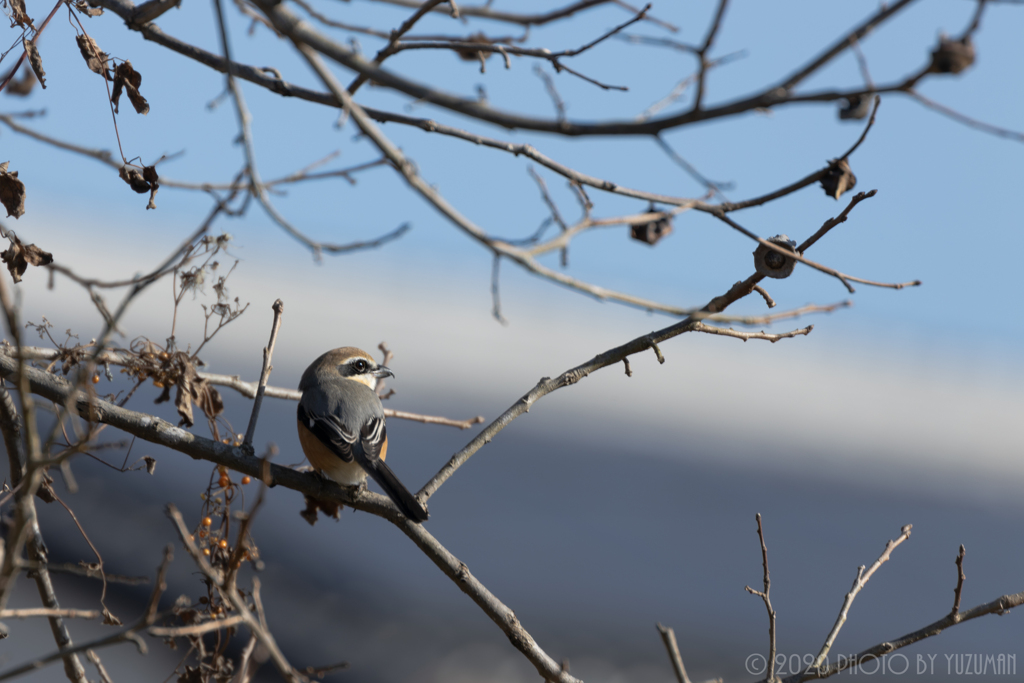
x=469 y=55
x=838 y=179
x=651 y=231
x=771 y=263
x=855 y=108
x=952 y=56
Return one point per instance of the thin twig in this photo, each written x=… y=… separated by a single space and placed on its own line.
x=27 y=612
x=858 y=584
x=960 y=577
x=765 y=295
x=99 y=558
x=668 y=636
x=230 y=594
x=702 y=52
x=1000 y=605
x=745 y=336
x=765 y=596
x=966 y=120
x=389 y=49
x=261 y=389
x=496 y=290
x=130 y=633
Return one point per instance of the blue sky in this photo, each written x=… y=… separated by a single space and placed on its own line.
x=943 y=188
x=942 y=213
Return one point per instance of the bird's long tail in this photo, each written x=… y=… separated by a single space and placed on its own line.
x=406 y=502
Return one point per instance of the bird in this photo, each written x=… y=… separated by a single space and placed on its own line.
x=341 y=425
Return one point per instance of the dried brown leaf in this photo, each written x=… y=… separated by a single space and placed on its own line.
x=149 y=174
x=207 y=398
x=109 y=619
x=190 y=388
x=87 y=9
x=164 y=396
x=35 y=60
x=12 y=191
x=21 y=86
x=95 y=58
x=314 y=507
x=128 y=79
x=192 y=674
x=19 y=15
x=45 y=490
x=135 y=179
x=183 y=402
x=150 y=463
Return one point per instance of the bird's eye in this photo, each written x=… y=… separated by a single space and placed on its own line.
x=360 y=365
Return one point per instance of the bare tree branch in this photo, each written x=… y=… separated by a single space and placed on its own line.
x=765 y=596
x=249 y=389
x=261 y=389
x=858 y=584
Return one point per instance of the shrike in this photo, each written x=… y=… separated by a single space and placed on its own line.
x=341 y=424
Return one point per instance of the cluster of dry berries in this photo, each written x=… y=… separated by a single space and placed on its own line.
x=212 y=534
x=235 y=441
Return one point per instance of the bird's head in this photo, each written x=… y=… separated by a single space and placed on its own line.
x=356 y=365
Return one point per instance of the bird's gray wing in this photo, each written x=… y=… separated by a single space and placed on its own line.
x=331 y=432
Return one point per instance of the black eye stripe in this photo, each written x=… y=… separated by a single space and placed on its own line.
x=354 y=367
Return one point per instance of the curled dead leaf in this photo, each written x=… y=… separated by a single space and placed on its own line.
x=134 y=178
x=19 y=257
x=95 y=58
x=150 y=463
x=838 y=179
x=21 y=86
x=207 y=398
x=314 y=507
x=19 y=15
x=149 y=174
x=109 y=619
x=178 y=369
x=12 y=191
x=127 y=79
x=87 y=9
x=45 y=490
x=35 y=60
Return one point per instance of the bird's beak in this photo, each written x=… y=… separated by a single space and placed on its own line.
x=382 y=371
